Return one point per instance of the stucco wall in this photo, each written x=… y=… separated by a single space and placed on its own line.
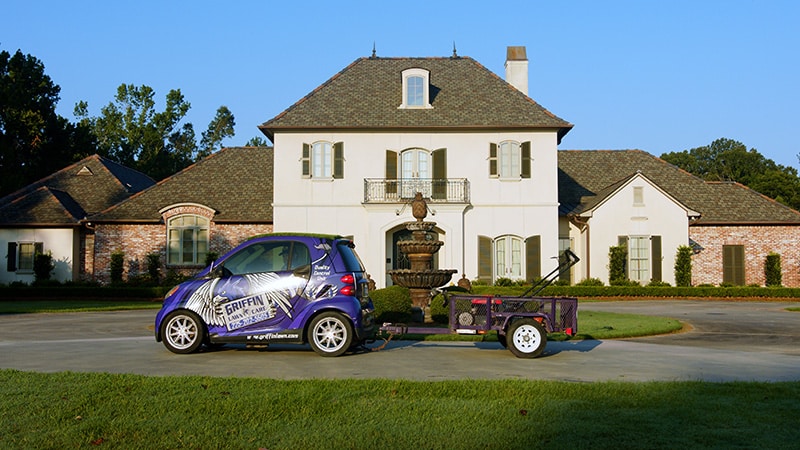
x=519 y=207
x=758 y=242
x=60 y=242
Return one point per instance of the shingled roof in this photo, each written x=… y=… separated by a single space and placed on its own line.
x=236 y=182
x=74 y=192
x=585 y=177
x=464 y=95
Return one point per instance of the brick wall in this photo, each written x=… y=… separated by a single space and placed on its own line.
x=758 y=242
x=136 y=241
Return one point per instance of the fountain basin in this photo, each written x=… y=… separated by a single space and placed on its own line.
x=416 y=279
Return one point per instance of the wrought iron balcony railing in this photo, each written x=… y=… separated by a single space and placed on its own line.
x=382 y=190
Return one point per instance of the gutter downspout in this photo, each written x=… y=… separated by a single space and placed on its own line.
x=583 y=226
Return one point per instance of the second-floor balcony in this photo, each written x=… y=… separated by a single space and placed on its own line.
x=449 y=190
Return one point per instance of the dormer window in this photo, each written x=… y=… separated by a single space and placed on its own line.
x=416 y=89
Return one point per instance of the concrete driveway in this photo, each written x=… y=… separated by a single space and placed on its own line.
x=748 y=341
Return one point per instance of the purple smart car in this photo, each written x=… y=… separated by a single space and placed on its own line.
x=288 y=288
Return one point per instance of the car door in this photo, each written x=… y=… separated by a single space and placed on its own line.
x=261 y=287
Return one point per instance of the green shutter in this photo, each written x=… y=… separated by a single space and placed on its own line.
x=391 y=172
x=733 y=264
x=338 y=160
x=526 y=160
x=440 y=174
x=623 y=241
x=492 y=159
x=533 y=258
x=655 y=255
x=11 y=258
x=305 y=160
x=484 y=258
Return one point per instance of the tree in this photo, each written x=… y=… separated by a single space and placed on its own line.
x=130 y=131
x=34 y=140
x=683 y=266
x=221 y=127
x=257 y=141
x=729 y=160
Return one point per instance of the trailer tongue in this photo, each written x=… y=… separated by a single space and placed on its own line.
x=521 y=323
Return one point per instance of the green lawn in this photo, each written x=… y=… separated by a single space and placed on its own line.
x=69 y=410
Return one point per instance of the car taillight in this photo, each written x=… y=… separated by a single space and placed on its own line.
x=349 y=288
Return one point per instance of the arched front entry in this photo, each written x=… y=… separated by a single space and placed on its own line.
x=396 y=259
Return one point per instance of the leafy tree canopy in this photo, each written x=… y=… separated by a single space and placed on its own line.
x=131 y=131
x=729 y=160
x=34 y=140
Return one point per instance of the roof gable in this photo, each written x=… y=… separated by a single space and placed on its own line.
x=88 y=186
x=367 y=95
x=592 y=203
x=586 y=175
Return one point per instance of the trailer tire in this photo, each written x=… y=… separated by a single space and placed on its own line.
x=526 y=338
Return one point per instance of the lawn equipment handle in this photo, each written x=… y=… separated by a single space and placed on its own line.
x=565 y=262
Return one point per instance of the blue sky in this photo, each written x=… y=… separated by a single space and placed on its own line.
x=658 y=76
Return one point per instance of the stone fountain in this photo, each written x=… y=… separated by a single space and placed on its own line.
x=421 y=277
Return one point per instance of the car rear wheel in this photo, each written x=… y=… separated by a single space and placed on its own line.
x=526 y=338
x=182 y=332
x=330 y=334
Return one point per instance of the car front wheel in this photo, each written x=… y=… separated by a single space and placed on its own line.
x=182 y=332
x=330 y=334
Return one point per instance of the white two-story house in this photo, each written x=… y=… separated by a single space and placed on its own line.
x=351 y=154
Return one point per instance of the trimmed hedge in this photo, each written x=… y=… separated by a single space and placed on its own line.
x=649 y=291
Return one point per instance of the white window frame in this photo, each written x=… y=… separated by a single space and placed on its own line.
x=410 y=77
x=509 y=257
x=25 y=263
x=322 y=159
x=178 y=239
x=509 y=160
x=639 y=259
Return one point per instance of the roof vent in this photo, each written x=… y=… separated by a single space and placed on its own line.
x=85 y=171
x=517 y=68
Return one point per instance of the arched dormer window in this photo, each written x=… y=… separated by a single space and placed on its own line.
x=416 y=89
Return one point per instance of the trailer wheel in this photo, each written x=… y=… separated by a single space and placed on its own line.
x=526 y=338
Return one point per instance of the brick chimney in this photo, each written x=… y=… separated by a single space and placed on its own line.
x=517 y=68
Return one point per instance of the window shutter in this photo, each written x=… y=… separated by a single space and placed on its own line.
x=623 y=241
x=492 y=159
x=484 y=258
x=533 y=258
x=525 y=168
x=338 y=160
x=655 y=255
x=305 y=160
x=11 y=263
x=391 y=172
x=440 y=173
x=38 y=249
x=733 y=264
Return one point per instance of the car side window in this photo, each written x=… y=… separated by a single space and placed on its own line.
x=268 y=257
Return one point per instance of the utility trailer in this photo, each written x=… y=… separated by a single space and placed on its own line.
x=521 y=323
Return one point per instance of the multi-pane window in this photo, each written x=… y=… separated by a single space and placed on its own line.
x=414 y=91
x=509 y=161
x=321 y=159
x=639 y=259
x=27 y=252
x=508 y=257
x=187 y=240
